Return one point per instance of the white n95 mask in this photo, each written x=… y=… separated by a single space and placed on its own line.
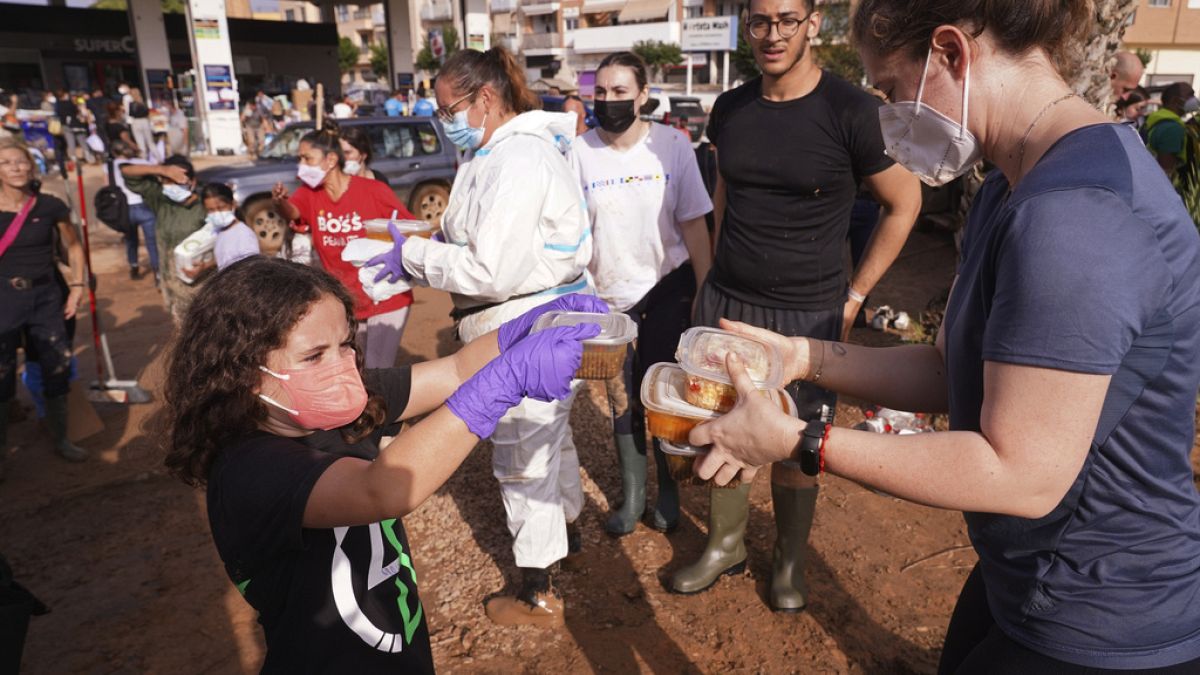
x=933 y=147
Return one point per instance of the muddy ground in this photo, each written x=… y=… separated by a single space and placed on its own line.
x=121 y=552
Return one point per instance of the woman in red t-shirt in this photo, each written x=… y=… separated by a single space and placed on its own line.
x=334 y=206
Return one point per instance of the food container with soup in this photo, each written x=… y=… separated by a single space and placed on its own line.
x=701 y=354
x=603 y=355
x=681 y=457
x=377 y=228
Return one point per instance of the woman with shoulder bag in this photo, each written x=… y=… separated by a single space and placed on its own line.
x=30 y=299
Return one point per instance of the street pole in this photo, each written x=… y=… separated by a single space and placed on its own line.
x=725 y=73
x=689 y=73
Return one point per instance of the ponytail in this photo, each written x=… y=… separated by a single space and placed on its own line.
x=468 y=70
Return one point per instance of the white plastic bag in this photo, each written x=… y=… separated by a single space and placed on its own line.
x=357 y=253
x=195 y=253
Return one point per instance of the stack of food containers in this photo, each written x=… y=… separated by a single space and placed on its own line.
x=603 y=355
x=678 y=397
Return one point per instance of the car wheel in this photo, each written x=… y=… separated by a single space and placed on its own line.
x=429 y=203
x=268 y=225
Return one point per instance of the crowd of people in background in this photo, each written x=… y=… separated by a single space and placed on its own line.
x=1067 y=425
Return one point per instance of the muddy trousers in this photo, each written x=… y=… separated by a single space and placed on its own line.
x=535 y=461
x=38 y=312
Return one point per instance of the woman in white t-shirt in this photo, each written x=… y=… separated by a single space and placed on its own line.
x=235 y=239
x=140 y=215
x=647 y=203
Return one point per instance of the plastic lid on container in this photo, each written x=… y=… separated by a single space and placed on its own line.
x=615 y=328
x=663 y=390
x=404 y=226
x=702 y=352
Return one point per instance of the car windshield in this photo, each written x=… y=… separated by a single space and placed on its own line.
x=286 y=144
x=686 y=108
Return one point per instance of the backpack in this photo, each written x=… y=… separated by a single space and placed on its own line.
x=112 y=207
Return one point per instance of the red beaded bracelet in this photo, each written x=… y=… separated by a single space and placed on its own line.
x=821 y=449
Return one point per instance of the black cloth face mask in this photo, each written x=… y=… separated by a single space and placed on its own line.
x=615 y=116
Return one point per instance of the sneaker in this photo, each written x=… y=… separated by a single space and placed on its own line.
x=135 y=273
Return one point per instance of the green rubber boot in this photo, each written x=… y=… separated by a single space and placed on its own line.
x=624 y=520
x=56 y=420
x=666 y=508
x=729 y=509
x=794 y=509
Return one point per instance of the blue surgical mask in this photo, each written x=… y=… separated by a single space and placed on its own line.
x=461 y=133
x=220 y=219
x=176 y=193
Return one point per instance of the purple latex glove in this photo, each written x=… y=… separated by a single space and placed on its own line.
x=540 y=367
x=392 y=261
x=514 y=331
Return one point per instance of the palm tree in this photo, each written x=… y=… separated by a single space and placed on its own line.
x=1090 y=60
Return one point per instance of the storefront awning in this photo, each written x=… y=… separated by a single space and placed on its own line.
x=645 y=10
x=598 y=6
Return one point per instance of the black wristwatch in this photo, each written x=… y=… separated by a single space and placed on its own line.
x=810 y=447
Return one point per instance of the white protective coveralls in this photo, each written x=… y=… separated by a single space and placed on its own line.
x=517 y=235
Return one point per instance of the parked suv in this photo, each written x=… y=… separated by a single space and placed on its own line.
x=412 y=152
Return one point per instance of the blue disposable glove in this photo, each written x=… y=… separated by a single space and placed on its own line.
x=392 y=261
x=540 y=367
x=514 y=331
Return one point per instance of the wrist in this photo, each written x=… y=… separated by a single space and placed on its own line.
x=855 y=296
x=814 y=361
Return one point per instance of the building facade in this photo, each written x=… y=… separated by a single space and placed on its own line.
x=1169 y=31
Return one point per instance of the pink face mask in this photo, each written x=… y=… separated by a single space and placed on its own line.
x=326 y=397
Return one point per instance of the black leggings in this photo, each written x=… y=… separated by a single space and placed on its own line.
x=975 y=645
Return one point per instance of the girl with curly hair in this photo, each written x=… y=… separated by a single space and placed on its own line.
x=267 y=405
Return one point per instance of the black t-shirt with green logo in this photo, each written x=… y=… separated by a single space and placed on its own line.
x=330 y=600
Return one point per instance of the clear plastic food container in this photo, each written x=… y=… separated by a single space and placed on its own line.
x=377 y=228
x=681 y=457
x=603 y=355
x=669 y=416
x=701 y=354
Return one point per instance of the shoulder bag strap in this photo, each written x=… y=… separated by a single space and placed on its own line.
x=14 y=228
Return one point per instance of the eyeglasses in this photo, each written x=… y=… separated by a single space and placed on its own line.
x=759 y=27
x=447 y=114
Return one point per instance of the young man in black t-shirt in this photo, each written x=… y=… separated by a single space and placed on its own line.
x=792 y=147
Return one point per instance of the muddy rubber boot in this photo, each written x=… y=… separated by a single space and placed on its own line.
x=56 y=420
x=536 y=603
x=633 y=485
x=666 y=508
x=729 y=509
x=793 y=520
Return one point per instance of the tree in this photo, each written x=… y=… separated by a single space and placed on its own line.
x=347 y=55
x=743 y=58
x=425 y=59
x=658 y=55
x=1089 y=61
x=379 y=60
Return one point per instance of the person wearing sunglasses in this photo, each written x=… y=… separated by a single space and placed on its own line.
x=516 y=234
x=793 y=146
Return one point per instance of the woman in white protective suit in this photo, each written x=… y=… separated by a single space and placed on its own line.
x=516 y=234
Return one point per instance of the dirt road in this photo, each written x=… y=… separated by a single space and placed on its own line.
x=122 y=554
